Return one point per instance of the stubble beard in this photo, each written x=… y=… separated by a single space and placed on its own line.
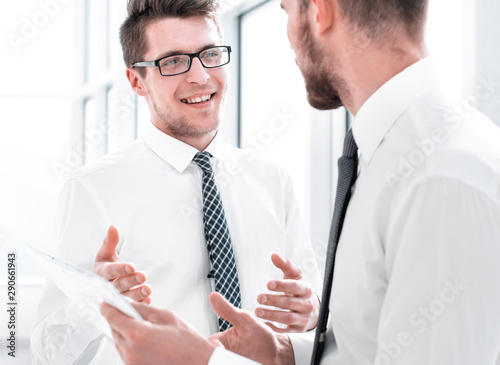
x=181 y=127
x=323 y=85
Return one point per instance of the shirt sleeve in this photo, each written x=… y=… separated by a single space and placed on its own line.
x=66 y=332
x=443 y=294
x=223 y=357
x=302 y=344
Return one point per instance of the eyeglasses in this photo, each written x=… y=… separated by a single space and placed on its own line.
x=177 y=64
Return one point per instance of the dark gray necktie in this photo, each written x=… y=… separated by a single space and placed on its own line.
x=220 y=249
x=348 y=169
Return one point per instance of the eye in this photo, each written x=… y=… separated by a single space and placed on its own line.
x=211 y=53
x=171 y=61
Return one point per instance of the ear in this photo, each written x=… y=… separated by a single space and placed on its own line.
x=136 y=81
x=323 y=15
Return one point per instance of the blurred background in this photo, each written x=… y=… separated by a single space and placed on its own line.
x=65 y=101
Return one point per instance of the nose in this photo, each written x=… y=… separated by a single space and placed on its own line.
x=197 y=73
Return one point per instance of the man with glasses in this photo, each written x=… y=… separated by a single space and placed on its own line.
x=415 y=242
x=195 y=213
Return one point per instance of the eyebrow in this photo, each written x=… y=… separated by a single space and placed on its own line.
x=176 y=52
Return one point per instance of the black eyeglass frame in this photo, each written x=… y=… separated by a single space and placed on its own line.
x=156 y=63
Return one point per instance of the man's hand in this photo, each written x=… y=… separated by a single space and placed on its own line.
x=122 y=274
x=161 y=338
x=301 y=305
x=249 y=337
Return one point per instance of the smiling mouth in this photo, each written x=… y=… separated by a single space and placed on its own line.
x=198 y=100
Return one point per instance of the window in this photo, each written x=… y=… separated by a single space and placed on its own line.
x=109 y=106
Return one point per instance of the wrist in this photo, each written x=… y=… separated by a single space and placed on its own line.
x=285 y=354
x=206 y=352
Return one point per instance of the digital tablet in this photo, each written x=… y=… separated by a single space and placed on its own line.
x=84 y=288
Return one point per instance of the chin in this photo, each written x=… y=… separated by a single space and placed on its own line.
x=323 y=103
x=206 y=128
x=322 y=97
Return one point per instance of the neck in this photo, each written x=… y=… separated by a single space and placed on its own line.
x=200 y=141
x=366 y=70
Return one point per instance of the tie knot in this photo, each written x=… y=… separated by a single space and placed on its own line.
x=202 y=159
x=350 y=147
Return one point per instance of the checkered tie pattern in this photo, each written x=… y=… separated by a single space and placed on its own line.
x=218 y=240
x=348 y=170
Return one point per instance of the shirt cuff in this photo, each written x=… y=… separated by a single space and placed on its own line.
x=302 y=344
x=224 y=357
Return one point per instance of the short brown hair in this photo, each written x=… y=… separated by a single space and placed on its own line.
x=375 y=17
x=143 y=12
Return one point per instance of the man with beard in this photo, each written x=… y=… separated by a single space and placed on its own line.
x=417 y=279
x=195 y=213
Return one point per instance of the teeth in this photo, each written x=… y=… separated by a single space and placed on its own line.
x=197 y=100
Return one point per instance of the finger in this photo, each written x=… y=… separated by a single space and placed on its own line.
x=291 y=287
x=215 y=339
x=290 y=270
x=113 y=270
x=139 y=293
x=242 y=321
x=107 y=252
x=128 y=282
x=118 y=321
x=145 y=300
x=302 y=305
x=154 y=315
x=119 y=339
x=276 y=329
x=285 y=317
x=226 y=310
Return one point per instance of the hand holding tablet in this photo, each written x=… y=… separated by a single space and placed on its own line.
x=83 y=287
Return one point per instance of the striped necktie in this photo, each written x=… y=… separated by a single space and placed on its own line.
x=217 y=238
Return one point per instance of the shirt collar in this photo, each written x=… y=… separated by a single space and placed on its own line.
x=177 y=153
x=382 y=109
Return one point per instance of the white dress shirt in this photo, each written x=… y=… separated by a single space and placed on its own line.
x=417 y=273
x=151 y=190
